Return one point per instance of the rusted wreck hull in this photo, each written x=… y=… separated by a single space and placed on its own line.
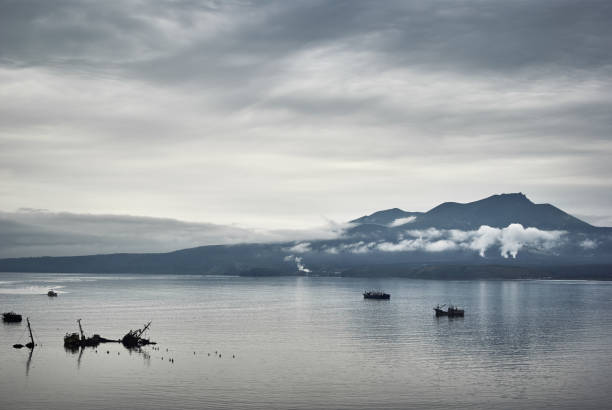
x=73 y=340
x=130 y=341
x=134 y=338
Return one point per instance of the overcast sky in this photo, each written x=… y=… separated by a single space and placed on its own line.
x=287 y=114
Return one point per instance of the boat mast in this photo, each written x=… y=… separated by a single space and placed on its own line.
x=141 y=331
x=81 y=329
x=30 y=330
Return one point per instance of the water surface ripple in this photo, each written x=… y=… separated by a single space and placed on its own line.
x=307 y=343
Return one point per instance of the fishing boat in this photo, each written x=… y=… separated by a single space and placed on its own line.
x=375 y=294
x=451 y=311
x=29 y=345
x=11 y=317
x=51 y=293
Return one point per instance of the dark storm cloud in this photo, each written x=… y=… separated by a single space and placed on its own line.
x=237 y=51
x=183 y=40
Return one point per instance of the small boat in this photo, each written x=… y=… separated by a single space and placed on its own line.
x=51 y=293
x=11 y=317
x=452 y=311
x=375 y=294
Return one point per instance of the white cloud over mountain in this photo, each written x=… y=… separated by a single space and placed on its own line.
x=509 y=241
x=402 y=221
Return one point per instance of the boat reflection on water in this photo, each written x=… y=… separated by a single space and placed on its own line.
x=80 y=351
x=139 y=350
x=29 y=362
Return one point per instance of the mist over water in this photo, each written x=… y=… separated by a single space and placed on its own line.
x=307 y=343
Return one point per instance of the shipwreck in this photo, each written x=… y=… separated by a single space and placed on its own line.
x=134 y=338
x=30 y=344
x=76 y=340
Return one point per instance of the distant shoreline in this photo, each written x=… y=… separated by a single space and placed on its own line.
x=599 y=272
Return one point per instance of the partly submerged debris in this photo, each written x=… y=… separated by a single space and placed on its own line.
x=51 y=293
x=376 y=294
x=134 y=338
x=11 y=317
x=452 y=311
x=29 y=345
x=76 y=340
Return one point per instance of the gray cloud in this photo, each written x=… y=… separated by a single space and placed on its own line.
x=302 y=247
x=39 y=232
x=254 y=111
x=481 y=35
x=588 y=244
x=355 y=247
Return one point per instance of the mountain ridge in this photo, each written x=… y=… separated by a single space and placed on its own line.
x=496 y=210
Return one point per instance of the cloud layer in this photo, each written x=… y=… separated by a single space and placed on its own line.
x=509 y=241
x=42 y=233
x=253 y=112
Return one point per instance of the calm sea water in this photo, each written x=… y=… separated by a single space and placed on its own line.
x=304 y=343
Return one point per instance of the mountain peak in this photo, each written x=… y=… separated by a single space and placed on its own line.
x=514 y=197
x=498 y=211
